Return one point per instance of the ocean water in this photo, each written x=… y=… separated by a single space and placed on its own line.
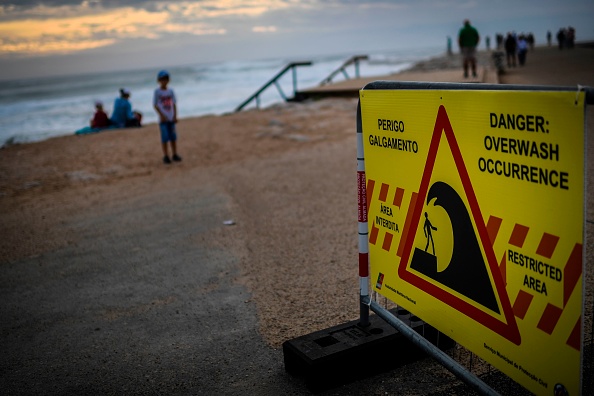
x=37 y=109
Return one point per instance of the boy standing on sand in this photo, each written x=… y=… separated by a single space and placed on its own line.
x=164 y=103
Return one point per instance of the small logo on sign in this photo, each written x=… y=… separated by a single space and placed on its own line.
x=380 y=281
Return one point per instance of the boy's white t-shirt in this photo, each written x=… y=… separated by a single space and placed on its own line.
x=164 y=99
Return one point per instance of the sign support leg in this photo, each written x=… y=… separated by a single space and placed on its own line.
x=362 y=226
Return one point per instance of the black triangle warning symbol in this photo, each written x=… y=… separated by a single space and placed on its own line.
x=468 y=271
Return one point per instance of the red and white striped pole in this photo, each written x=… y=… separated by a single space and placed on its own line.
x=362 y=225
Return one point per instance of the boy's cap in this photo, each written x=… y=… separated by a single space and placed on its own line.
x=125 y=91
x=98 y=103
x=162 y=74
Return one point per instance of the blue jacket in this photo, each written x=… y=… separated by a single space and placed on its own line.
x=122 y=111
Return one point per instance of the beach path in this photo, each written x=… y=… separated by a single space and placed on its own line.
x=118 y=273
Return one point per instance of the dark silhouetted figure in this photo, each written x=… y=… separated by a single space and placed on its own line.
x=549 y=36
x=570 y=37
x=522 y=49
x=468 y=39
x=499 y=38
x=530 y=41
x=427 y=227
x=510 y=50
x=561 y=38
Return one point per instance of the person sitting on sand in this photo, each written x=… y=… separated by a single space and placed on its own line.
x=123 y=116
x=100 y=119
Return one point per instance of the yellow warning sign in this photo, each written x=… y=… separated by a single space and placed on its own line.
x=475 y=212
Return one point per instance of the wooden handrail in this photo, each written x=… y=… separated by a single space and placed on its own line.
x=342 y=69
x=274 y=80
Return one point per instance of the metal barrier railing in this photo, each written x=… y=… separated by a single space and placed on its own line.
x=488 y=374
x=342 y=69
x=274 y=80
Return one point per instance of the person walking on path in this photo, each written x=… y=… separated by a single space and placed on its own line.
x=561 y=38
x=510 y=50
x=549 y=38
x=468 y=39
x=165 y=105
x=522 y=50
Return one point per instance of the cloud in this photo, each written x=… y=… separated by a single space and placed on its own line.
x=52 y=46
x=214 y=9
x=264 y=29
x=43 y=30
x=41 y=27
x=76 y=33
x=203 y=9
x=58 y=27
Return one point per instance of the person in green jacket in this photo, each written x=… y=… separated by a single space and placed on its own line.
x=468 y=39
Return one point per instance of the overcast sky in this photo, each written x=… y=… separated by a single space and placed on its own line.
x=39 y=38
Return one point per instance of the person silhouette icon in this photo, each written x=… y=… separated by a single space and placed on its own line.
x=427 y=227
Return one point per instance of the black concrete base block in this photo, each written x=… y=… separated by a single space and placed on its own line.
x=348 y=352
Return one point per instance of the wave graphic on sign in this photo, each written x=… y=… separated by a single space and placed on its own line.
x=447 y=285
x=467 y=272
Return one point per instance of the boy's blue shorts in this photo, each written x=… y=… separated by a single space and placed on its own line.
x=167 y=132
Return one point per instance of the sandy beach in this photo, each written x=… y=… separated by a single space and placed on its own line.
x=119 y=275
